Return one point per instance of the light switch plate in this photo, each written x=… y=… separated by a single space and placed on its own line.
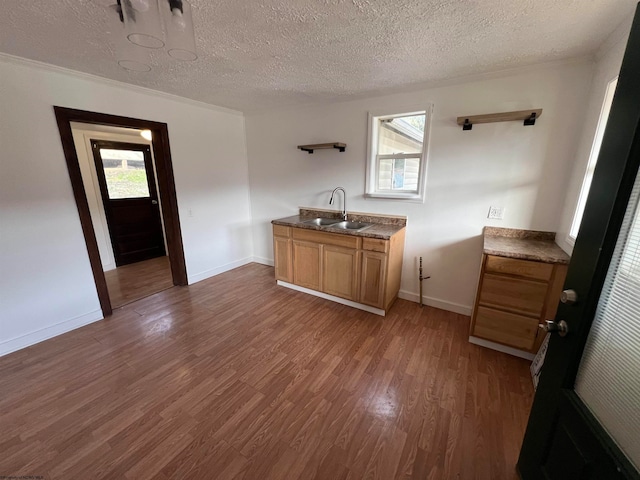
x=496 y=213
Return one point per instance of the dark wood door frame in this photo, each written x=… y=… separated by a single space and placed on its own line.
x=166 y=187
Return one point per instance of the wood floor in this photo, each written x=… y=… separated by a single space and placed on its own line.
x=235 y=377
x=138 y=280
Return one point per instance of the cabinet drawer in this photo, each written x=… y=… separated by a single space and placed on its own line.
x=523 y=296
x=347 y=241
x=281 y=231
x=522 y=268
x=375 y=245
x=507 y=328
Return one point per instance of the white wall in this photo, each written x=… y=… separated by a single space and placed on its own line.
x=46 y=284
x=608 y=62
x=524 y=169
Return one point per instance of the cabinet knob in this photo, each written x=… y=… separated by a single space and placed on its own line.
x=551 y=326
x=569 y=297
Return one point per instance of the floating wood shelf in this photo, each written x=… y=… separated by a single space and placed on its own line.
x=318 y=146
x=528 y=116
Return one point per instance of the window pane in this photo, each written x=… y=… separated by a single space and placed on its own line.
x=401 y=134
x=125 y=173
x=385 y=171
x=608 y=380
x=398 y=174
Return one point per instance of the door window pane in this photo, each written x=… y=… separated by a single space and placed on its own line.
x=125 y=173
x=608 y=380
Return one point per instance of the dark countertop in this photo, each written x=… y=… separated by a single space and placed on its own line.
x=523 y=244
x=377 y=230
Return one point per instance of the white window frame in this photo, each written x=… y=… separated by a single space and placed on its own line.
x=593 y=160
x=372 y=155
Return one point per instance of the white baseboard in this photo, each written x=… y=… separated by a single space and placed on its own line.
x=264 y=261
x=218 y=270
x=437 y=303
x=326 y=296
x=501 y=348
x=49 y=332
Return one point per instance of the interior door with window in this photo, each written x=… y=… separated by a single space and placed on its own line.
x=585 y=419
x=130 y=199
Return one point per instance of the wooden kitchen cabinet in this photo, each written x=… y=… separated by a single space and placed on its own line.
x=359 y=269
x=514 y=297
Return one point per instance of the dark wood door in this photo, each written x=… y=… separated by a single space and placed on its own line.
x=569 y=434
x=128 y=189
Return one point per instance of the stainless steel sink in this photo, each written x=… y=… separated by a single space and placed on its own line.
x=322 y=222
x=353 y=226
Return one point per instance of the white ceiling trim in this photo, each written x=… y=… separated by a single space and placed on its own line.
x=620 y=34
x=461 y=80
x=7 y=58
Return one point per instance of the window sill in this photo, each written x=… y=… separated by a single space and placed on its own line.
x=407 y=197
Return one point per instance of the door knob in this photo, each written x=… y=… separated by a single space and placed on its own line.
x=569 y=297
x=551 y=326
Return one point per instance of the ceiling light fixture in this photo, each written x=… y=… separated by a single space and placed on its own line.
x=142 y=22
x=129 y=56
x=141 y=26
x=178 y=22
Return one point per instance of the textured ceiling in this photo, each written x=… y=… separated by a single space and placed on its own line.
x=260 y=54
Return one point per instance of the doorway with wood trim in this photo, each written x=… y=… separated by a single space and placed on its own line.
x=129 y=196
x=135 y=248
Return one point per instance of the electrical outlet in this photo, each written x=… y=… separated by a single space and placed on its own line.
x=496 y=213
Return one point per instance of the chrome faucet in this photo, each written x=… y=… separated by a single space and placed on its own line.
x=344 y=201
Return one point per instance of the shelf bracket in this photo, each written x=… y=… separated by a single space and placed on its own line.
x=531 y=120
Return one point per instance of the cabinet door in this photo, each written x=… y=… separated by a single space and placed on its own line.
x=307 y=264
x=282 y=259
x=374 y=271
x=340 y=272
